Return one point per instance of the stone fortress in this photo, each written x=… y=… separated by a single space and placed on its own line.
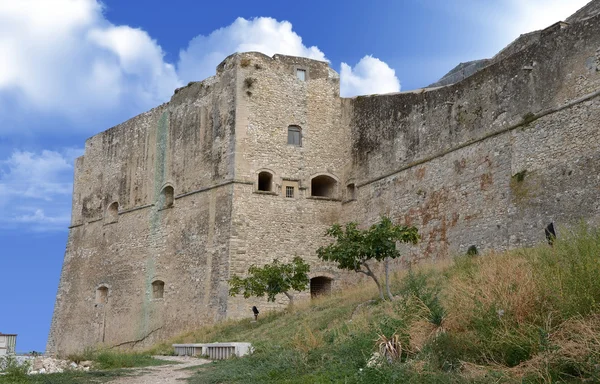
x=257 y=161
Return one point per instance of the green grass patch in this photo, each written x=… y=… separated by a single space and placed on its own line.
x=113 y=360
x=524 y=316
x=71 y=377
x=104 y=359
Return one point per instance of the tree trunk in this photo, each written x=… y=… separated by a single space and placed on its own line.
x=372 y=275
x=291 y=297
x=387 y=279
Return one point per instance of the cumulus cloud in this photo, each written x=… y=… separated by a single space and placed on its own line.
x=262 y=34
x=269 y=36
x=36 y=189
x=369 y=76
x=64 y=57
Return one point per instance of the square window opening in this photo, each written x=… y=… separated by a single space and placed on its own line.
x=289 y=192
x=301 y=74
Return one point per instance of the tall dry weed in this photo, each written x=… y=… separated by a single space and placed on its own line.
x=503 y=282
x=574 y=351
x=307 y=340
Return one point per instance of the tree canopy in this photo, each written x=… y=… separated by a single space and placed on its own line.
x=354 y=248
x=272 y=279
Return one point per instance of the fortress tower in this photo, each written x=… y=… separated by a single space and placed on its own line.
x=257 y=161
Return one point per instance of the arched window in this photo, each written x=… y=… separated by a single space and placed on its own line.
x=323 y=186
x=167 y=196
x=158 y=289
x=294 y=135
x=102 y=295
x=265 y=181
x=112 y=213
x=320 y=285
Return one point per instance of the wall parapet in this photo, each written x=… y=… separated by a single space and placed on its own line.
x=525 y=121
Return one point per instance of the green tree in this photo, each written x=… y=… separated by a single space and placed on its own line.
x=272 y=279
x=354 y=248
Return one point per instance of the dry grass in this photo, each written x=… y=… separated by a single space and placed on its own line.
x=306 y=339
x=503 y=281
x=529 y=315
x=390 y=348
x=575 y=345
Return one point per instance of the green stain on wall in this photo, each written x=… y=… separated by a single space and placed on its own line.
x=160 y=176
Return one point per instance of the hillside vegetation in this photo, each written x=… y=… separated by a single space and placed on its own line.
x=529 y=315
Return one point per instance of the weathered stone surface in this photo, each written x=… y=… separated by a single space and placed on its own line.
x=489 y=161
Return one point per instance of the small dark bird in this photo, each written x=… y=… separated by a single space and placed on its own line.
x=255 y=311
x=550 y=233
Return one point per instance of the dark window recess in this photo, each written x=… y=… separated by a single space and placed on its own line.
x=294 y=135
x=289 y=191
x=112 y=213
x=167 y=197
x=102 y=295
x=320 y=285
x=265 y=181
x=323 y=186
x=550 y=233
x=158 y=289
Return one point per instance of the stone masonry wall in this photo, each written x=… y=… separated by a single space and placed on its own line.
x=447 y=160
x=488 y=161
x=269 y=225
x=187 y=144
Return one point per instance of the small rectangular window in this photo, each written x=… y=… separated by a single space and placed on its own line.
x=294 y=136
x=301 y=74
x=289 y=192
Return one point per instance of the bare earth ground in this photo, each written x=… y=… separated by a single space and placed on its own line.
x=163 y=374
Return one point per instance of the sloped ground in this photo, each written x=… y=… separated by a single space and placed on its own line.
x=525 y=316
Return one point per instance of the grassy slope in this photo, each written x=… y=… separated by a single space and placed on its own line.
x=530 y=315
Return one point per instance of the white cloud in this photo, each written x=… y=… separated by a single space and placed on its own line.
x=531 y=15
x=263 y=34
x=502 y=21
x=269 y=36
x=36 y=189
x=369 y=76
x=63 y=56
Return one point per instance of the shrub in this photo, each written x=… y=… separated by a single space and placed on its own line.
x=13 y=369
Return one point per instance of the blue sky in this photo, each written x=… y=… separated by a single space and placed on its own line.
x=72 y=68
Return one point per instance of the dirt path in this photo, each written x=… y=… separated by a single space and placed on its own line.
x=163 y=374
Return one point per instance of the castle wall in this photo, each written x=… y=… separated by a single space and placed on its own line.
x=447 y=160
x=187 y=144
x=489 y=161
x=268 y=225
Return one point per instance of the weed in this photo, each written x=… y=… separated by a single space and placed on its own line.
x=529 y=315
x=112 y=360
x=416 y=284
x=528 y=118
x=520 y=176
x=390 y=348
x=472 y=251
x=12 y=369
x=249 y=81
x=245 y=62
